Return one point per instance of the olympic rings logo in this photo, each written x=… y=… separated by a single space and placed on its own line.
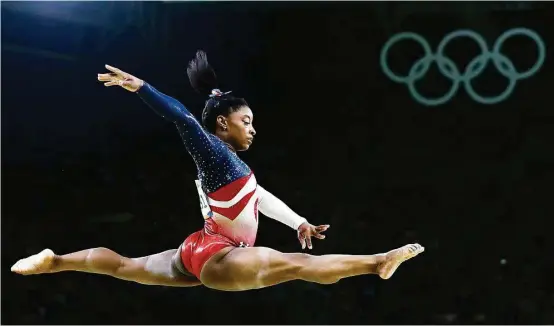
x=476 y=66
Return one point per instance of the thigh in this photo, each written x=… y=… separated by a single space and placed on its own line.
x=156 y=269
x=199 y=247
x=239 y=269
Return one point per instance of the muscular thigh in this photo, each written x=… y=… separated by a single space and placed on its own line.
x=157 y=269
x=239 y=269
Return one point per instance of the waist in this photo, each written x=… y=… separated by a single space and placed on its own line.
x=237 y=231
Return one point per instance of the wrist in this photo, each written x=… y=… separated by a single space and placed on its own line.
x=140 y=84
x=302 y=224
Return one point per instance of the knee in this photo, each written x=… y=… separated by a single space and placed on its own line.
x=298 y=261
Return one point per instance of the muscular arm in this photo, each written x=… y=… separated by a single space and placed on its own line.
x=167 y=107
x=274 y=208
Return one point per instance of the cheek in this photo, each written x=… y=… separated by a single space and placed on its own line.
x=239 y=129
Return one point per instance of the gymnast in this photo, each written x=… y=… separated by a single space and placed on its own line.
x=222 y=254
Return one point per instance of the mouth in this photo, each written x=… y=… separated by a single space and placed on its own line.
x=250 y=141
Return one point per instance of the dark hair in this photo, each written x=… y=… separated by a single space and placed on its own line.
x=204 y=80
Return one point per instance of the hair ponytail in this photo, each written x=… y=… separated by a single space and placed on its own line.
x=204 y=80
x=202 y=77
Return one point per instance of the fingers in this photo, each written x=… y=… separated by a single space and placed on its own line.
x=112 y=83
x=118 y=82
x=322 y=228
x=302 y=240
x=118 y=72
x=319 y=236
x=105 y=77
x=111 y=79
x=109 y=76
x=115 y=73
x=309 y=242
x=113 y=69
x=318 y=230
x=305 y=235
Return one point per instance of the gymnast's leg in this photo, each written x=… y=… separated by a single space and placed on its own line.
x=155 y=269
x=238 y=269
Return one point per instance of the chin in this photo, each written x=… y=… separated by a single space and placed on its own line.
x=244 y=147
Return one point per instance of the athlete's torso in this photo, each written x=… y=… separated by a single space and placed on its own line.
x=232 y=199
x=228 y=194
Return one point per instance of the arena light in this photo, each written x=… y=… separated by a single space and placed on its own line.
x=101 y=14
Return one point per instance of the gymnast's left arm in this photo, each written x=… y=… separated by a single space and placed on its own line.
x=273 y=207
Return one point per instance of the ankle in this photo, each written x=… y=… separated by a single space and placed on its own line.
x=375 y=262
x=57 y=264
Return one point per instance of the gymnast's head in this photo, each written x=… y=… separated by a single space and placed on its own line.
x=224 y=115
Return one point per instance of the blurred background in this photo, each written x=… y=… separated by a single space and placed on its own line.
x=338 y=141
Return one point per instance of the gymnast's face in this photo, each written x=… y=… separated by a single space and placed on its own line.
x=238 y=129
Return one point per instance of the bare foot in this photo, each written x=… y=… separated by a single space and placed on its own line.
x=35 y=264
x=395 y=257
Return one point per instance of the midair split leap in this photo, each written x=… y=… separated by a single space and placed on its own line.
x=222 y=254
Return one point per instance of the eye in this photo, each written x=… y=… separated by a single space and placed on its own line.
x=246 y=123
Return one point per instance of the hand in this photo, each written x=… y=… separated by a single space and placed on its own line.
x=306 y=231
x=120 y=78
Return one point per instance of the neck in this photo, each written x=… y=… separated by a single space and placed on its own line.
x=230 y=147
x=223 y=138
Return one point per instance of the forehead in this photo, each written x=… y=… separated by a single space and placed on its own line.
x=243 y=111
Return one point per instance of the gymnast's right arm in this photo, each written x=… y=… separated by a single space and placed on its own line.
x=165 y=106
x=168 y=107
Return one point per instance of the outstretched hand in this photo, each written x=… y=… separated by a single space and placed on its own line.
x=120 y=78
x=306 y=231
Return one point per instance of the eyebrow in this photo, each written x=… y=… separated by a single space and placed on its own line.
x=247 y=116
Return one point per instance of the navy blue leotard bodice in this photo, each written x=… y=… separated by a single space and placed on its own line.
x=217 y=164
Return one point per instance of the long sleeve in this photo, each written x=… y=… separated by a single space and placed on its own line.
x=274 y=208
x=216 y=164
x=196 y=139
x=168 y=107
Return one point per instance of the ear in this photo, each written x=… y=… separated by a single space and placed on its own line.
x=222 y=122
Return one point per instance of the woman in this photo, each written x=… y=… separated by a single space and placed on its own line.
x=222 y=255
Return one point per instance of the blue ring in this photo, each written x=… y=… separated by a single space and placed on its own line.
x=460 y=33
x=476 y=66
x=435 y=101
x=525 y=32
x=396 y=38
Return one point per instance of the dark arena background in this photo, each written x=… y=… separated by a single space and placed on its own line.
x=347 y=134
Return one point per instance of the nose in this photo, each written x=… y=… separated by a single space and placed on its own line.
x=253 y=131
